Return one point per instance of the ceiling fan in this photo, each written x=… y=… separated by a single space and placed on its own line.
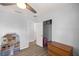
x=29 y=7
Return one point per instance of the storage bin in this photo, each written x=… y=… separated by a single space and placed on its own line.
x=5 y=53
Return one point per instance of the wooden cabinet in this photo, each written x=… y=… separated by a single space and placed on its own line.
x=58 y=49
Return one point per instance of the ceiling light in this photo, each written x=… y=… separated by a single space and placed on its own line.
x=21 y=5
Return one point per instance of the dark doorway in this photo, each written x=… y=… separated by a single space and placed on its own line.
x=47 y=32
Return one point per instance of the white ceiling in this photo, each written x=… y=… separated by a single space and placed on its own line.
x=41 y=8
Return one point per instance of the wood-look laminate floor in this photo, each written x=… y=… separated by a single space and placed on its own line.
x=33 y=50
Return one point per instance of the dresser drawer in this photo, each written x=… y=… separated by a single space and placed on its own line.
x=50 y=53
x=57 y=51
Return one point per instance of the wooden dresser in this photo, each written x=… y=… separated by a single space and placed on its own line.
x=58 y=49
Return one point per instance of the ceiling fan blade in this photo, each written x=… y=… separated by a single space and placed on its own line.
x=7 y=4
x=30 y=8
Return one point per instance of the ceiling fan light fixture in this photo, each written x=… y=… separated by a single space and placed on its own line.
x=21 y=5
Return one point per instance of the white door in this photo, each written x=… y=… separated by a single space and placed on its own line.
x=39 y=34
